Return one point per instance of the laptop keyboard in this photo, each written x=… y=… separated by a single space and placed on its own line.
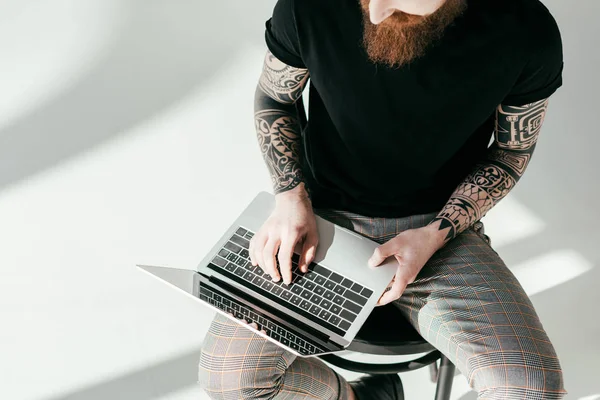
x=274 y=330
x=321 y=294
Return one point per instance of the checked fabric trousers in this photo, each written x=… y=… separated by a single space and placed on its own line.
x=465 y=302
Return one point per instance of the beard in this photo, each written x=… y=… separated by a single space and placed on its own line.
x=402 y=37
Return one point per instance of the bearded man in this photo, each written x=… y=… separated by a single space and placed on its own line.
x=423 y=115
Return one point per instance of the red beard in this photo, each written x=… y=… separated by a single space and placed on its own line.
x=403 y=37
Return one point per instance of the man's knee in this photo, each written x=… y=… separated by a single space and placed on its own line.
x=236 y=376
x=516 y=375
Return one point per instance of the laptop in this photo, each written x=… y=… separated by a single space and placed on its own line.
x=320 y=312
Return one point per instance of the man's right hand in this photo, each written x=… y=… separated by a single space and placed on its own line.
x=292 y=221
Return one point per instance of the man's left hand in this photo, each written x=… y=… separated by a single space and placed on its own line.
x=412 y=248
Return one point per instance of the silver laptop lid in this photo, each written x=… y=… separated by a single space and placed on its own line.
x=287 y=334
x=340 y=250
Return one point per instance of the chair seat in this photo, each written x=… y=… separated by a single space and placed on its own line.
x=388 y=332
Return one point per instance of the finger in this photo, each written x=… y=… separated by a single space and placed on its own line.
x=309 y=249
x=254 y=325
x=382 y=252
x=258 y=244
x=269 y=258
x=288 y=243
x=396 y=291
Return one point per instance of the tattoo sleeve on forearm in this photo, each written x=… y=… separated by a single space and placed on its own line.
x=517 y=131
x=277 y=126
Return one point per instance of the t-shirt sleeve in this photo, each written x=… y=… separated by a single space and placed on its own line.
x=542 y=74
x=281 y=34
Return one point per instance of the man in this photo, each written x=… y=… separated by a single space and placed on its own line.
x=405 y=97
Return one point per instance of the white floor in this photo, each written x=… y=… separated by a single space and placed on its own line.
x=126 y=136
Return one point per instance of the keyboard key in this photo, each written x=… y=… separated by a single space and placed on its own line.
x=295 y=299
x=285 y=341
x=348 y=315
x=286 y=295
x=306 y=294
x=344 y=325
x=309 y=285
x=319 y=290
x=253 y=315
x=290 y=336
x=366 y=292
x=244 y=243
x=245 y=253
x=334 y=319
x=233 y=247
x=296 y=289
x=221 y=262
x=335 y=309
x=321 y=270
x=325 y=315
x=276 y=290
x=248 y=235
x=320 y=279
x=339 y=300
x=329 y=295
x=329 y=284
x=241 y=262
x=305 y=305
x=241 y=231
x=310 y=275
x=223 y=253
x=337 y=278
x=232 y=257
x=239 y=271
x=347 y=283
x=315 y=299
x=315 y=310
x=339 y=289
x=258 y=281
x=325 y=304
x=357 y=288
x=231 y=267
x=355 y=297
x=349 y=305
x=249 y=276
x=267 y=285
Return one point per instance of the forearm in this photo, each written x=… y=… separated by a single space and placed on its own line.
x=278 y=128
x=279 y=137
x=497 y=174
x=489 y=182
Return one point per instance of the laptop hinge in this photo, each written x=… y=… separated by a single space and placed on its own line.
x=309 y=331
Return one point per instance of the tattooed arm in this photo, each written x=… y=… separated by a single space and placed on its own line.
x=277 y=125
x=516 y=134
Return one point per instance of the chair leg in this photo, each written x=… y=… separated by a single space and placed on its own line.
x=433 y=371
x=445 y=378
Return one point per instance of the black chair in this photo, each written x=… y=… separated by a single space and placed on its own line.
x=376 y=337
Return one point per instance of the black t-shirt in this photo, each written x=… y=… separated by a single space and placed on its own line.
x=386 y=142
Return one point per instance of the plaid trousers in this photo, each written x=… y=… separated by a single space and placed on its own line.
x=465 y=302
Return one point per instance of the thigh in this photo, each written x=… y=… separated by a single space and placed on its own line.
x=237 y=363
x=471 y=307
